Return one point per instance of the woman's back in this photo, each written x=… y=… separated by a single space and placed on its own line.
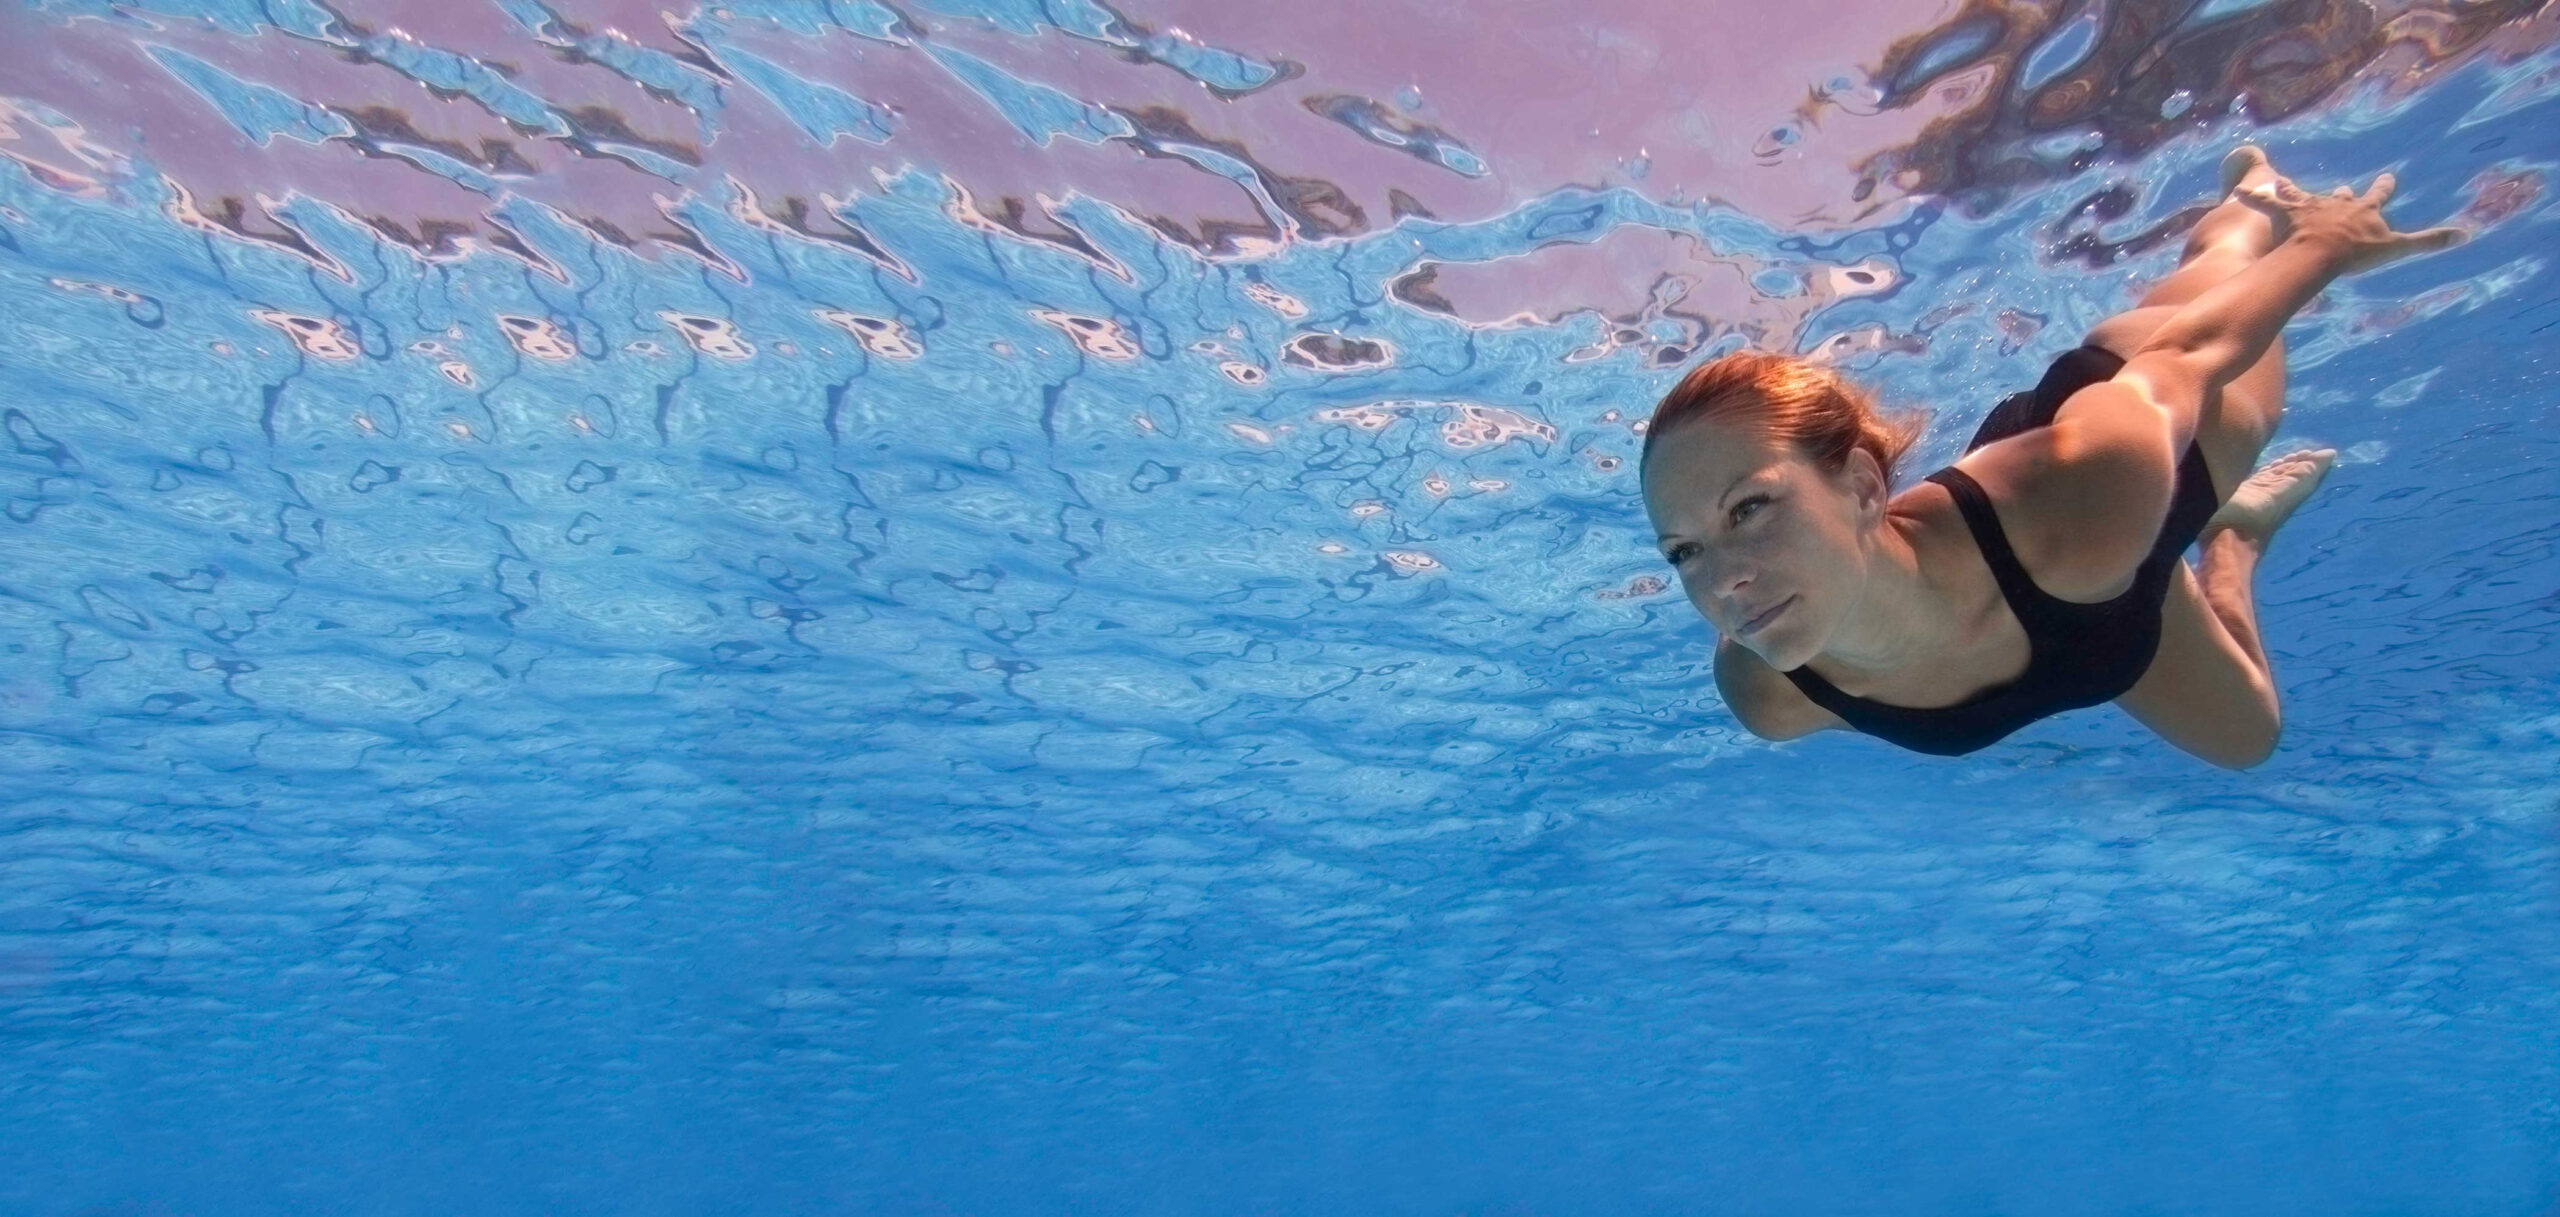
x=2079 y=653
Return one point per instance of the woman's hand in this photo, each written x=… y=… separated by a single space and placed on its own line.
x=2347 y=228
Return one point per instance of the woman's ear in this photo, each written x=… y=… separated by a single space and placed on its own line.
x=1868 y=484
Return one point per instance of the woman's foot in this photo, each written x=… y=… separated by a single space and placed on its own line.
x=2267 y=499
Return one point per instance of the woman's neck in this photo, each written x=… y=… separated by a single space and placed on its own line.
x=1905 y=616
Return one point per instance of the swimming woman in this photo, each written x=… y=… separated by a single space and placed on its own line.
x=2044 y=571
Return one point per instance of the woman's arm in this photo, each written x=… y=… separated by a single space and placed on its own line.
x=2219 y=335
x=2225 y=331
x=2103 y=474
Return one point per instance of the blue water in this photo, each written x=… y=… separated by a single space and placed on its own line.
x=979 y=729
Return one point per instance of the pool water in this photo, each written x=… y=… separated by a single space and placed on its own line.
x=1017 y=607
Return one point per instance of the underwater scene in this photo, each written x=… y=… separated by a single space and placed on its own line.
x=1010 y=607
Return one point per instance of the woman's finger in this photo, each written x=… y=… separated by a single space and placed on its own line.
x=2342 y=193
x=2381 y=191
x=2435 y=238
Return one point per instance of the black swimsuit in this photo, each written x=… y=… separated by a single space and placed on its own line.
x=2078 y=654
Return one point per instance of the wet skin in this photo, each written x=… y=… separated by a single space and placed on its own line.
x=1750 y=525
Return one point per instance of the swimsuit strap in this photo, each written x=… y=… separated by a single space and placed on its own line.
x=2032 y=604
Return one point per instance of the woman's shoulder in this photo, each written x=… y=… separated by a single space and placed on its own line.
x=2071 y=527
x=1762 y=698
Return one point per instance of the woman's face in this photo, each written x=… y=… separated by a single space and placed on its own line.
x=1770 y=547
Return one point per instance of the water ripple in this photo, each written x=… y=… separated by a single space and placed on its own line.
x=1090 y=648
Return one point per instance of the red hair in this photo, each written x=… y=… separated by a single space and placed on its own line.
x=1800 y=402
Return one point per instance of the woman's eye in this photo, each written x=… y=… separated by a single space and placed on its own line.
x=1741 y=510
x=1680 y=553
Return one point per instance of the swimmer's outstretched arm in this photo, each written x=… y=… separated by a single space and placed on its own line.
x=2121 y=463
x=2224 y=331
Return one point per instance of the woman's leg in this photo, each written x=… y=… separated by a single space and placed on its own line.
x=2238 y=536
x=2210 y=689
x=2235 y=426
x=2229 y=237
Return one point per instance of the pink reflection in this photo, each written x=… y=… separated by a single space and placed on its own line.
x=1662 y=292
x=1808 y=124
x=2498 y=193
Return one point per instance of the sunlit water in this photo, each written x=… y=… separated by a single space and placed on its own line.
x=1023 y=608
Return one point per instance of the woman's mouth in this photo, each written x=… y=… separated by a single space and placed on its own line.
x=1754 y=625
